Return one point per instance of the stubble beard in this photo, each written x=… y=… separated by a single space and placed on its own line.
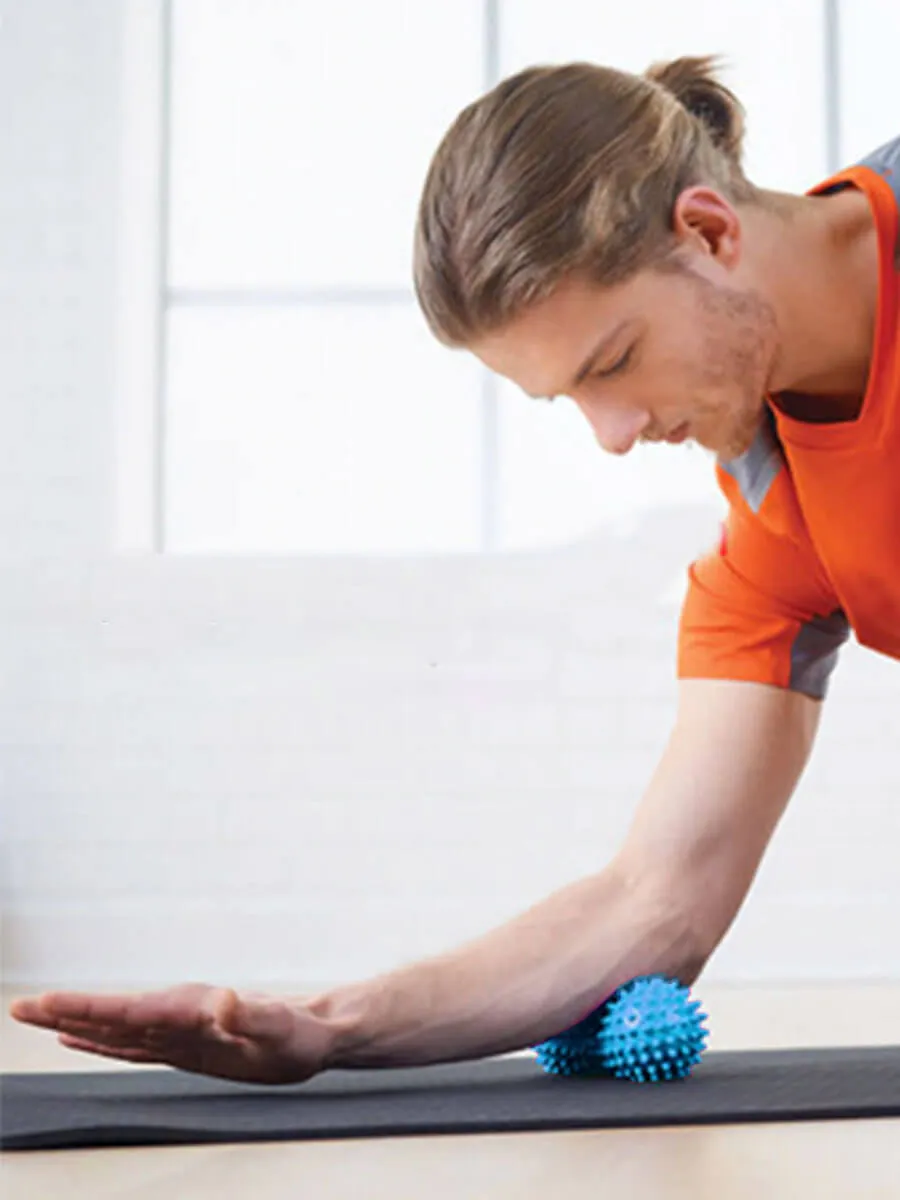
x=739 y=343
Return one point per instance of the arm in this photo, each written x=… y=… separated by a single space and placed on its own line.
x=662 y=905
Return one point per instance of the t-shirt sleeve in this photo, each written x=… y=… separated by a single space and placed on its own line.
x=759 y=609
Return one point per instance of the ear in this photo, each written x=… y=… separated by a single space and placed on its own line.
x=705 y=221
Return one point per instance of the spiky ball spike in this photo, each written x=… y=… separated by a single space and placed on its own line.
x=647 y=1031
x=651 y=1031
x=575 y=1051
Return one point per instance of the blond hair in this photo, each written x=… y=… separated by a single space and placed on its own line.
x=566 y=170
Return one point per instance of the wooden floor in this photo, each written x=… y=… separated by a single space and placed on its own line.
x=797 y=1161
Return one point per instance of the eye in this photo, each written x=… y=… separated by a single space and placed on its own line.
x=617 y=366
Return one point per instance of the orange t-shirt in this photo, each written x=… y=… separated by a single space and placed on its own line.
x=810 y=549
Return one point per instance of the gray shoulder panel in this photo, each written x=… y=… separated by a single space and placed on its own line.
x=756 y=469
x=886 y=162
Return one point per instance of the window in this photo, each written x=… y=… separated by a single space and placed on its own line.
x=303 y=406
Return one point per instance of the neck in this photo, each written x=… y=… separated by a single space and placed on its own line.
x=821 y=254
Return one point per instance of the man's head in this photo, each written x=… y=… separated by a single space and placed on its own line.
x=583 y=232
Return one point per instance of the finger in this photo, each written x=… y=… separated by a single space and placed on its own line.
x=128 y=1054
x=116 y=1035
x=110 y=1035
x=52 y=1007
x=31 y=1012
x=186 y=1007
x=96 y=1033
x=38 y=1011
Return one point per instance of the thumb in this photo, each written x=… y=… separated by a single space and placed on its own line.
x=257 y=1017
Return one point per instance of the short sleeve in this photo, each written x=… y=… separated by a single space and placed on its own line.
x=759 y=608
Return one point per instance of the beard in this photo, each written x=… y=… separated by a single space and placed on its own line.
x=739 y=336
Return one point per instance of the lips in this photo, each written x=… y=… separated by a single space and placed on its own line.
x=678 y=434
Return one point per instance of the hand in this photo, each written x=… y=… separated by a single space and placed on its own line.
x=245 y=1036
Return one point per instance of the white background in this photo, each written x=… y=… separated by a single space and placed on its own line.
x=243 y=762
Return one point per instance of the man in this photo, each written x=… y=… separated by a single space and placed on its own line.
x=591 y=233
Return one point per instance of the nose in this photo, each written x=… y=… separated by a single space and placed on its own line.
x=617 y=429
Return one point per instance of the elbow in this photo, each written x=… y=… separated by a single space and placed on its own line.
x=679 y=933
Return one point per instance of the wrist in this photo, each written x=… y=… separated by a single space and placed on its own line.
x=341 y=1015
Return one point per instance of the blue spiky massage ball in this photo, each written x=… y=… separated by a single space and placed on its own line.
x=648 y=1031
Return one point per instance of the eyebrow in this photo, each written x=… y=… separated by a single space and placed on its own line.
x=587 y=365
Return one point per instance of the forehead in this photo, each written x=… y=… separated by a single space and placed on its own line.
x=548 y=341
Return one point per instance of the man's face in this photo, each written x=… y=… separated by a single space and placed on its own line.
x=684 y=352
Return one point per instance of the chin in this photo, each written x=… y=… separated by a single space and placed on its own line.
x=713 y=445
x=735 y=443
x=730 y=451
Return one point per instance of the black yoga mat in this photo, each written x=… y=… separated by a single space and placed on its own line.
x=157 y=1107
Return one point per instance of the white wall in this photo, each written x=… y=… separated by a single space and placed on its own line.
x=295 y=770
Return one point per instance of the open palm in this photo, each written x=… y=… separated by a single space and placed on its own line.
x=242 y=1036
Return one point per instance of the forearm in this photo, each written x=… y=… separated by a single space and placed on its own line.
x=519 y=984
